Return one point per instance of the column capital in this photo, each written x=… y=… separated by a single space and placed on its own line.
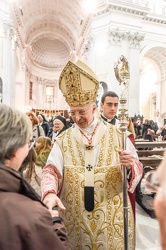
x=135 y=39
x=10 y=33
x=115 y=36
x=88 y=46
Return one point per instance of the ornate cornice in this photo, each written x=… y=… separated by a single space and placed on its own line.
x=123 y=7
x=85 y=25
x=83 y=34
x=155 y=19
x=18 y=24
x=133 y=9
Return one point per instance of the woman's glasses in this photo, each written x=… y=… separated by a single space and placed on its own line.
x=31 y=144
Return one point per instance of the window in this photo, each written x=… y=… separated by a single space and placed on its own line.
x=49 y=94
x=30 y=90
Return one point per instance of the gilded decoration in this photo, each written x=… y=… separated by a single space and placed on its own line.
x=101 y=229
x=78 y=84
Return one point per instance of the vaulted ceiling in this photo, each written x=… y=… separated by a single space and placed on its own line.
x=50 y=29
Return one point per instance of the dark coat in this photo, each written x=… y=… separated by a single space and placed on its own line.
x=25 y=222
x=163 y=133
x=46 y=128
x=145 y=134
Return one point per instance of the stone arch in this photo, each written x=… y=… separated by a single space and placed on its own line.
x=155 y=54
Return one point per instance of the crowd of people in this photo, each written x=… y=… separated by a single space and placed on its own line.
x=149 y=130
x=64 y=181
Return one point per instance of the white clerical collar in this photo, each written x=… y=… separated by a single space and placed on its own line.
x=88 y=130
x=108 y=120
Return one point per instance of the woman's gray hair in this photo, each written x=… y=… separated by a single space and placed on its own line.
x=15 y=131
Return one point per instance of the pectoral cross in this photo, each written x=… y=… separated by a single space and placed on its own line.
x=89 y=147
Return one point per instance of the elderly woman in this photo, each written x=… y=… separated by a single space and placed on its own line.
x=26 y=222
x=59 y=125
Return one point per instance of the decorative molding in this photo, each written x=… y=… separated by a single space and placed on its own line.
x=8 y=30
x=135 y=39
x=132 y=9
x=115 y=36
x=10 y=33
x=123 y=7
x=19 y=25
x=85 y=25
x=88 y=46
x=155 y=19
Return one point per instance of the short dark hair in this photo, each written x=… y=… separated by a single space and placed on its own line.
x=108 y=93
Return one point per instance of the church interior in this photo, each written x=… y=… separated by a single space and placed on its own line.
x=38 y=37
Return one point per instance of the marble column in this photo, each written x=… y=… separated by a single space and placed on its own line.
x=7 y=63
x=134 y=40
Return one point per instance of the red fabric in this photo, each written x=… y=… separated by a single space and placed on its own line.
x=132 y=196
x=132 y=139
x=51 y=180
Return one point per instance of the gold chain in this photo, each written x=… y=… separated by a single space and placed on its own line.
x=90 y=140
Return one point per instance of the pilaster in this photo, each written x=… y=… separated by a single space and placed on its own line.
x=9 y=40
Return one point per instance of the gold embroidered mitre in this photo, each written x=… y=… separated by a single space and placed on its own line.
x=78 y=83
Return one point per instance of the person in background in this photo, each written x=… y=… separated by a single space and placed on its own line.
x=43 y=148
x=109 y=107
x=59 y=125
x=163 y=132
x=147 y=131
x=31 y=171
x=83 y=172
x=44 y=124
x=37 y=129
x=26 y=222
x=154 y=126
x=138 y=128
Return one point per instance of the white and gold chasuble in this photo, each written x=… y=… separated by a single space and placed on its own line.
x=101 y=229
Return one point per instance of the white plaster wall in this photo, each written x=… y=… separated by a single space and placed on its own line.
x=7 y=55
x=103 y=61
x=105 y=57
